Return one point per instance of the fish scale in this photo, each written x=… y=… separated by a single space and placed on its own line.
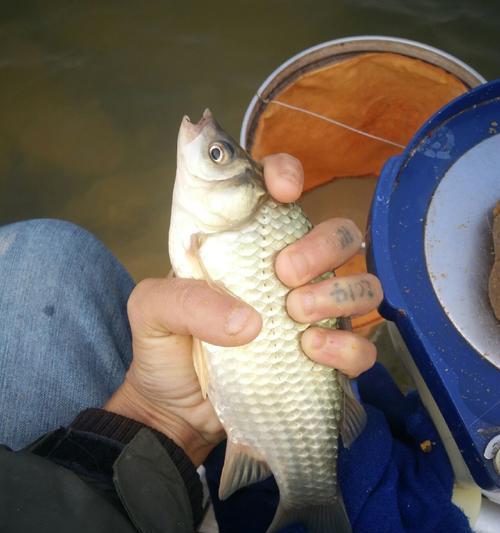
x=268 y=394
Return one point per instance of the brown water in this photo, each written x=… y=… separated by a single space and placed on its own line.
x=92 y=93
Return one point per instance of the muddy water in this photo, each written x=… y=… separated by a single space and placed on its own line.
x=91 y=95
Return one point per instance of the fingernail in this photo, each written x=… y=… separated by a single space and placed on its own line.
x=299 y=264
x=291 y=176
x=237 y=320
x=307 y=302
x=318 y=339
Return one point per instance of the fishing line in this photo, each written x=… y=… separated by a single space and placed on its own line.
x=330 y=120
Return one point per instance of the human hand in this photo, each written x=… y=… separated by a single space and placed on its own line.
x=328 y=246
x=161 y=388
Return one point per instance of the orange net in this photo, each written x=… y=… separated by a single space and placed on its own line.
x=384 y=94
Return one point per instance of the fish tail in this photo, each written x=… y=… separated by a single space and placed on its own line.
x=316 y=518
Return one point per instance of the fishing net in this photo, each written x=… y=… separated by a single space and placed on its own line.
x=386 y=95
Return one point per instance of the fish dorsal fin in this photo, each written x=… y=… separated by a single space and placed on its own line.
x=242 y=467
x=353 y=416
x=200 y=365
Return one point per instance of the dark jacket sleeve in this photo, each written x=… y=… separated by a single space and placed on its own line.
x=102 y=473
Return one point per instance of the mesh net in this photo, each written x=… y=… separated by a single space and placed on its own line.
x=385 y=94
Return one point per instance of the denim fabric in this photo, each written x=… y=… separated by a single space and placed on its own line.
x=64 y=336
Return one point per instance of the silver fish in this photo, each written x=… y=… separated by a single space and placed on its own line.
x=282 y=412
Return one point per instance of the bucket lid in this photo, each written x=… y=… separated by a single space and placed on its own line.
x=431 y=245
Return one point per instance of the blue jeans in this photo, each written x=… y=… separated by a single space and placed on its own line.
x=65 y=342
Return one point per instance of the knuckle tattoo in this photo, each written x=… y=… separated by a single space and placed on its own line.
x=352 y=291
x=345 y=236
x=342 y=294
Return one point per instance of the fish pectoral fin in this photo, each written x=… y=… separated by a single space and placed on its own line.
x=198 y=268
x=242 y=467
x=316 y=518
x=193 y=256
x=353 y=414
x=200 y=365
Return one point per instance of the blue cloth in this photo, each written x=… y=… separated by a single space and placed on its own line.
x=65 y=345
x=64 y=336
x=389 y=484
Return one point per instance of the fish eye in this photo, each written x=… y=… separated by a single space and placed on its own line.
x=220 y=152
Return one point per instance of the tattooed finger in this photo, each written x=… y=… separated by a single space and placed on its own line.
x=327 y=246
x=343 y=296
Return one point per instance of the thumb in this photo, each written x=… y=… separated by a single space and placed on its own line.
x=161 y=307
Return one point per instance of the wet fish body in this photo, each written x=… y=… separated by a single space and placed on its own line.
x=282 y=412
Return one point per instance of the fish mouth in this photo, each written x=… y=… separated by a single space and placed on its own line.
x=190 y=130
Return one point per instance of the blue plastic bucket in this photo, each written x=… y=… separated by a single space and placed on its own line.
x=430 y=244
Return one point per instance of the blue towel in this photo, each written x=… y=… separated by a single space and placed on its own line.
x=389 y=483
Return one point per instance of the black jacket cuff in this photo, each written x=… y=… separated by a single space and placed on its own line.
x=122 y=430
x=94 y=440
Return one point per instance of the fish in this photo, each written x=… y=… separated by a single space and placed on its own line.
x=282 y=412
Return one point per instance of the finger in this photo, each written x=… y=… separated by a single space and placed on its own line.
x=284 y=177
x=343 y=296
x=159 y=307
x=327 y=246
x=343 y=350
